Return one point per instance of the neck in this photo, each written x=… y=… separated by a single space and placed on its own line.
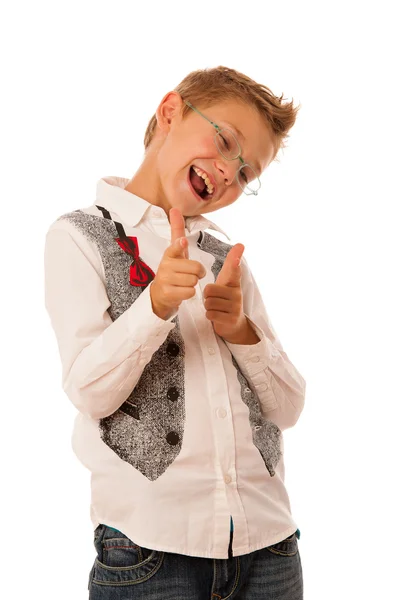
x=146 y=184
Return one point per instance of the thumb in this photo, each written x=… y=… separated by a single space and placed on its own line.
x=231 y=272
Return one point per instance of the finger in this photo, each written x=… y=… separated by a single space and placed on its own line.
x=219 y=304
x=177 y=222
x=214 y=290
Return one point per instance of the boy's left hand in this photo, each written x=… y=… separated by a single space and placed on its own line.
x=223 y=299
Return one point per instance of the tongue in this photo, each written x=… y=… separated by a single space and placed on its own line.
x=197 y=182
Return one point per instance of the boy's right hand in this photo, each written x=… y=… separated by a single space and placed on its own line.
x=177 y=275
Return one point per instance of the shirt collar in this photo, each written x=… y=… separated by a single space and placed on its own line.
x=111 y=194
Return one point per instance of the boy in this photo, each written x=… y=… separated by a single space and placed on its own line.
x=181 y=383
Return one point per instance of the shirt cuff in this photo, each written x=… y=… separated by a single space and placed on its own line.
x=253 y=358
x=253 y=361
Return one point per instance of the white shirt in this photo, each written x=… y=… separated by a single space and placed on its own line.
x=185 y=505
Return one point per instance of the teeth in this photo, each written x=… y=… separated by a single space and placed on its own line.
x=210 y=187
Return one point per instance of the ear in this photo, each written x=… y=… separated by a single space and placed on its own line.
x=169 y=109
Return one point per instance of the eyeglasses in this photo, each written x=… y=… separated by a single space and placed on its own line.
x=229 y=147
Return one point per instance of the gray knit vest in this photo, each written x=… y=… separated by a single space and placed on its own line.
x=147 y=429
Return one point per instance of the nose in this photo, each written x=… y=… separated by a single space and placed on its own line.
x=226 y=169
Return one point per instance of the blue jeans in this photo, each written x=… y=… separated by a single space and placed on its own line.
x=123 y=570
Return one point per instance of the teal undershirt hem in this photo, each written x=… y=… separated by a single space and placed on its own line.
x=114 y=528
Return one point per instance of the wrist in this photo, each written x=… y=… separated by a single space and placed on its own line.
x=157 y=309
x=245 y=336
x=160 y=312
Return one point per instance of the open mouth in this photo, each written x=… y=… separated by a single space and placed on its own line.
x=201 y=184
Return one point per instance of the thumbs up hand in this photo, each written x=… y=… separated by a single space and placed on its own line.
x=223 y=301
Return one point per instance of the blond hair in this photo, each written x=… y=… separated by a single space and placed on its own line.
x=206 y=87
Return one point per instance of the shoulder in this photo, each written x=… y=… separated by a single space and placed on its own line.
x=72 y=233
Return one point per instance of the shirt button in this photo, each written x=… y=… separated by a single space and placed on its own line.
x=157 y=213
x=255 y=358
x=211 y=351
x=142 y=361
x=221 y=412
x=227 y=479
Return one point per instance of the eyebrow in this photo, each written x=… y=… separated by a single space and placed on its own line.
x=241 y=136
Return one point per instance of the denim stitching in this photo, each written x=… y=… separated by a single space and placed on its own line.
x=282 y=553
x=236 y=580
x=213 y=583
x=133 y=546
x=148 y=559
x=132 y=581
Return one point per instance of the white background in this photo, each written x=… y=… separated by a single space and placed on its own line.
x=80 y=80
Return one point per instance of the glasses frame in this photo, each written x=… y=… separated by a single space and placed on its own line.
x=244 y=164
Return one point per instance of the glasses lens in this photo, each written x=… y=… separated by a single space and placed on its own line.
x=248 y=179
x=227 y=144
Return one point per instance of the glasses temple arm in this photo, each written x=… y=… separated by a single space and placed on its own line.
x=204 y=117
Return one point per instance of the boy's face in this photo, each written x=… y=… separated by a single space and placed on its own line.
x=182 y=144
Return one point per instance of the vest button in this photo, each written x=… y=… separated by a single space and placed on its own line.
x=172 y=349
x=172 y=394
x=172 y=438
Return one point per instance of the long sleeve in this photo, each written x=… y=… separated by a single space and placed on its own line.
x=102 y=360
x=276 y=381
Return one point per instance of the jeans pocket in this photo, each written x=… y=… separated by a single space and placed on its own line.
x=120 y=552
x=120 y=561
x=287 y=547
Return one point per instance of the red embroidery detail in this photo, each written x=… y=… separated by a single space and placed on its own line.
x=140 y=274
